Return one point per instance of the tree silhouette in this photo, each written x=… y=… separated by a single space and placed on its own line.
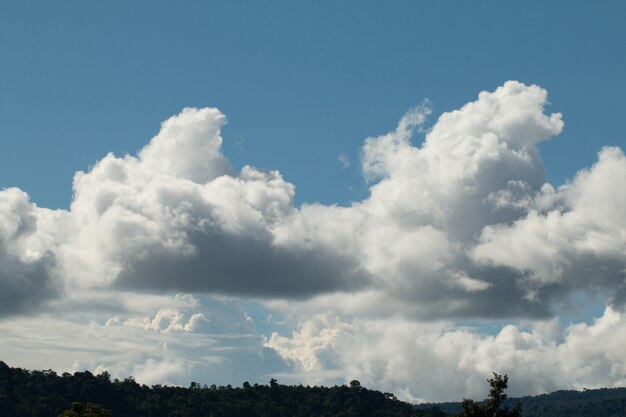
x=491 y=407
x=354 y=384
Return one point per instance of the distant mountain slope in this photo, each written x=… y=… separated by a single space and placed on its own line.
x=604 y=402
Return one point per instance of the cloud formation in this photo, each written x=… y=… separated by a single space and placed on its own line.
x=157 y=340
x=26 y=258
x=459 y=225
x=572 y=237
x=463 y=224
x=178 y=218
x=442 y=362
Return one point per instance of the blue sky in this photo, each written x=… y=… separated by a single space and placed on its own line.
x=434 y=180
x=300 y=83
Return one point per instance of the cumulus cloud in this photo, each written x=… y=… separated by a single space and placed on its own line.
x=466 y=225
x=572 y=237
x=463 y=224
x=460 y=225
x=438 y=361
x=27 y=260
x=477 y=167
x=177 y=217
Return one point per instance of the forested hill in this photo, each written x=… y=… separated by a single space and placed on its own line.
x=604 y=402
x=46 y=394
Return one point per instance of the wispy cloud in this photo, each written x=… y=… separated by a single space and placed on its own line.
x=344 y=161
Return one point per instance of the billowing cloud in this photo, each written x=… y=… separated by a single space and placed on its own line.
x=178 y=218
x=573 y=237
x=466 y=225
x=461 y=224
x=27 y=260
x=442 y=362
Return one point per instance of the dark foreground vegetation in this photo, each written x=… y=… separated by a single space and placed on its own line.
x=46 y=394
x=83 y=394
x=604 y=402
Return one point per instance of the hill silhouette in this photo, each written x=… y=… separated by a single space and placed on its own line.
x=603 y=402
x=27 y=393
x=48 y=394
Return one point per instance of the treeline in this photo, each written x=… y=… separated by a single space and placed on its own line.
x=603 y=402
x=47 y=394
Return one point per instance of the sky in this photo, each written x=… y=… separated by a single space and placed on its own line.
x=411 y=194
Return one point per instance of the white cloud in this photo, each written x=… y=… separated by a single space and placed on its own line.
x=462 y=225
x=478 y=167
x=27 y=260
x=178 y=218
x=208 y=341
x=443 y=362
x=577 y=241
x=188 y=146
x=344 y=161
x=314 y=347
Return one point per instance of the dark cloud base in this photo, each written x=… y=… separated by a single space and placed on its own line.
x=246 y=266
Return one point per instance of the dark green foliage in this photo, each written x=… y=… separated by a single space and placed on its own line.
x=492 y=406
x=86 y=410
x=45 y=394
x=605 y=402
